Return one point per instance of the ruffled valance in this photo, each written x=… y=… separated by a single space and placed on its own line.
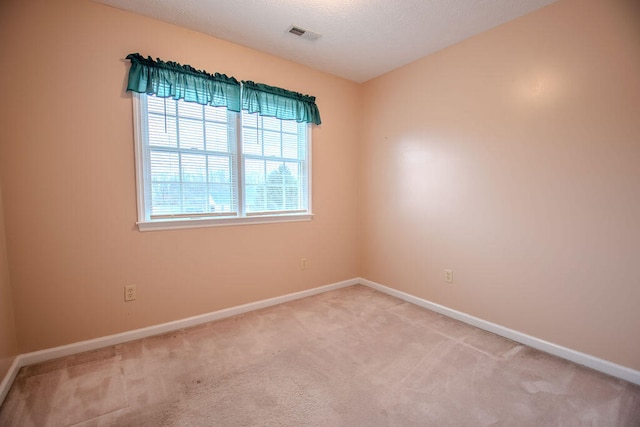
x=170 y=79
x=281 y=103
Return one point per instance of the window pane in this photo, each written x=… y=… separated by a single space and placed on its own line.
x=220 y=169
x=221 y=198
x=164 y=166
x=191 y=134
x=162 y=131
x=166 y=199
x=274 y=170
x=290 y=126
x=254 y=171
x=160 y=105
x=255 y=198
x=195 y=198
x=271 y=142
x=275 y=201
x=279 y=177
x=271 y=123
x=249 y=120
x=217 y=137
x=190 y=109
x=293 y=175
x=250 y=143
x=218 y=114
x=290 y=146
x=291 y=198
x=194 y=168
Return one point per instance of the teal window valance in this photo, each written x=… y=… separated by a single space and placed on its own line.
x=276 y=102
x=170 y=79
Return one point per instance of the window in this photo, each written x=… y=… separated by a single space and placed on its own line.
x=211 y=150
x=200 y=165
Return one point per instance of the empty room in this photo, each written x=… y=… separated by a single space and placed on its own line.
x=320 y=212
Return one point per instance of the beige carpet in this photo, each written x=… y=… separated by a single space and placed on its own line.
x=351 y=357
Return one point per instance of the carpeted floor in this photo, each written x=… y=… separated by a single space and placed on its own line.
x=351 y=357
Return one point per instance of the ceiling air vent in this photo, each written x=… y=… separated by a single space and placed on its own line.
x=301 y=32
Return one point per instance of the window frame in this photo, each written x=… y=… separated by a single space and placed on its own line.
x=146 y=223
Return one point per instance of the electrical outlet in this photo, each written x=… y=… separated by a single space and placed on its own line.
x=130 y=292
x=304 y=264
x=448 y=276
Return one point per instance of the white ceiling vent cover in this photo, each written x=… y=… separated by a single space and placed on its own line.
x=301 y=32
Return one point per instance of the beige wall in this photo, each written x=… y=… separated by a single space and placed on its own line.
x=513 y=158
x=67 y=168
x=8 y=347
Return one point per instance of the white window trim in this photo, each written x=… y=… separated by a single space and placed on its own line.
x=147 y=224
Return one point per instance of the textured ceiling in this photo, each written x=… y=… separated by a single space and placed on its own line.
x=361 y=39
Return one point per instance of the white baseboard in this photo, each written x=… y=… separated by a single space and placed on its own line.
x=9 y=377
x=584 y=359
x=592 y=362
x=101 y=342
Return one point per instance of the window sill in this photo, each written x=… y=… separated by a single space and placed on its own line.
x=174 y=224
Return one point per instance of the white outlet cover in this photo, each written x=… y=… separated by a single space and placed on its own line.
x=448 y=276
